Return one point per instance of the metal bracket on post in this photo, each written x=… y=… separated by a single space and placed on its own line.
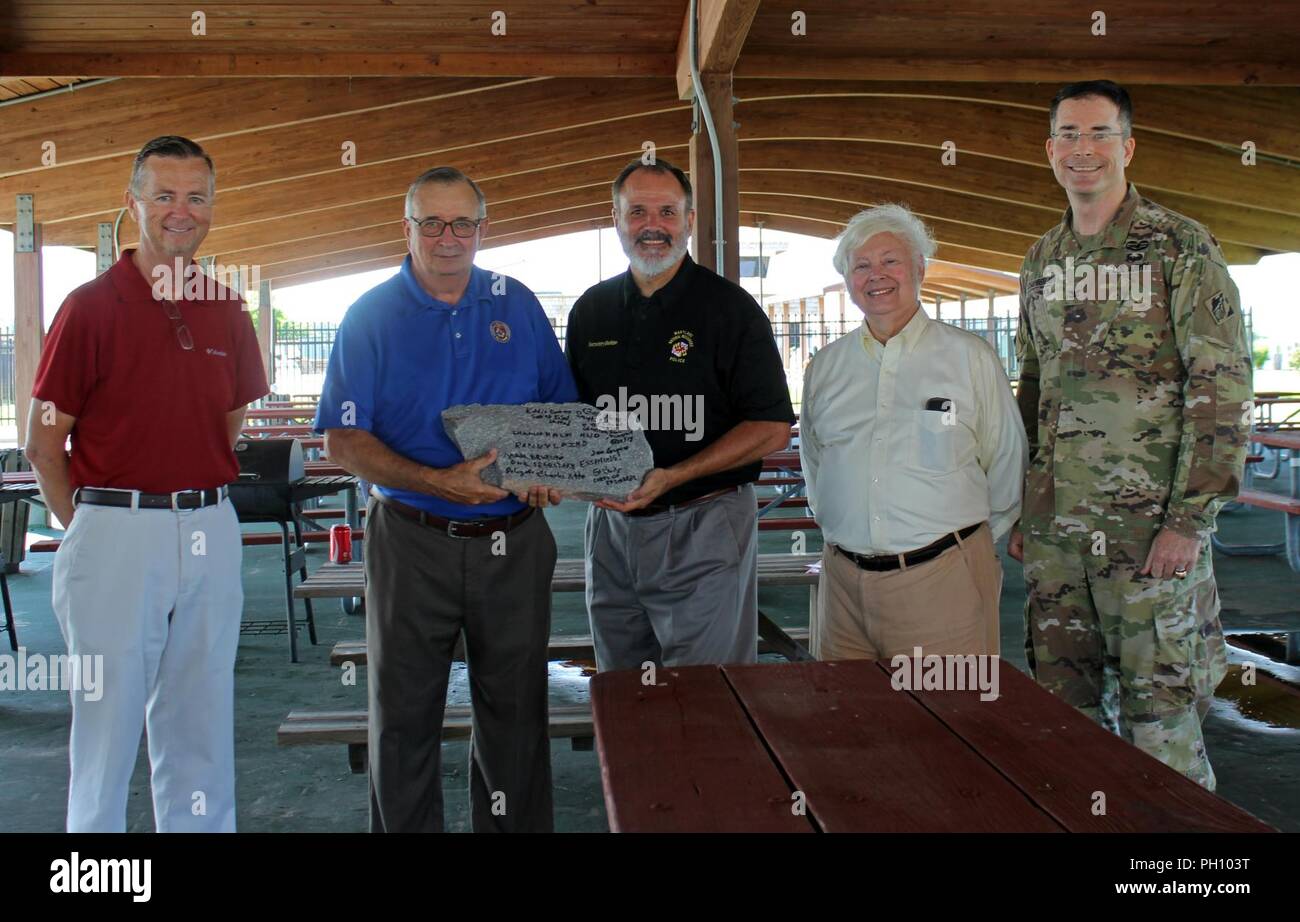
x=25 y=224
x=104 y=248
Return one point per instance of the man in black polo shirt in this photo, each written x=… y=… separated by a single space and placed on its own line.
x=672 y=570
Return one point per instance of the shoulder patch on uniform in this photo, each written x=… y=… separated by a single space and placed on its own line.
x=1220 y=307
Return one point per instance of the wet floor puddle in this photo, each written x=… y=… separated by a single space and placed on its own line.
x=1268 y=701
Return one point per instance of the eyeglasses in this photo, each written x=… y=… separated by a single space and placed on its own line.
x=1072 y=137
x=433 y=227
x=182 y=331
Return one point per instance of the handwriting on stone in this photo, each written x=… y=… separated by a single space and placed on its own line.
x=565 y=446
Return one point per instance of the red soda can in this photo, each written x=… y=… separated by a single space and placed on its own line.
x=341 y=543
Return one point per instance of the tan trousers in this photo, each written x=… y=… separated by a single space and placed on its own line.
x=948 y=605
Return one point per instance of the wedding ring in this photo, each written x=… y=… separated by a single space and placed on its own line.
x=1180 y=573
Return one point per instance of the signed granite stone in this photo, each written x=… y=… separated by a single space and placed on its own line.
x=571 y=447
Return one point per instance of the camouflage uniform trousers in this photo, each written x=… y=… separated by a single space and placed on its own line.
x=1140 y=656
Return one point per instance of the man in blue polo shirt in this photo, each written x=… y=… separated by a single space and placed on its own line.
x=447 y=553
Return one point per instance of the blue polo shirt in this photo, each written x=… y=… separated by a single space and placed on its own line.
x=401 y=357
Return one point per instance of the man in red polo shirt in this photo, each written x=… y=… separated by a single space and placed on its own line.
x=151 y=383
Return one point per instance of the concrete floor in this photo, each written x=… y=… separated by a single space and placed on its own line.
x=1253 y=739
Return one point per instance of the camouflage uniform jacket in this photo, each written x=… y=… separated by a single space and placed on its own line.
x=1138 y=409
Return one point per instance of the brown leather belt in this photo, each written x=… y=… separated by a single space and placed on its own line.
x=911 y=558
x=476 y=528
x=658 y=508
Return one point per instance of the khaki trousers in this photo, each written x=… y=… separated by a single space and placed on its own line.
x=947 y=605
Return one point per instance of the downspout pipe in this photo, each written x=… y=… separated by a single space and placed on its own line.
x=702 y=101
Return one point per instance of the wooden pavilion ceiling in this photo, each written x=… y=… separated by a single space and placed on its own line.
x=828 y=122
x=11 y=88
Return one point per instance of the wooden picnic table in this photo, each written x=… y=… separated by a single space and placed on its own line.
x=1265 y=403
x=787 y=460
x=348 y=581
x=743 y=748
x=1286 y=438
x=278 y=432
x=280 y=413
x=1288 y=504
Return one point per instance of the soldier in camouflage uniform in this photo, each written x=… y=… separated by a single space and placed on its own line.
x=1137 y=402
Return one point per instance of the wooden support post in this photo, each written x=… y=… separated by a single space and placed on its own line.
x=29 y=319
x=993 y=321
x=266 y=328
x=717 y=90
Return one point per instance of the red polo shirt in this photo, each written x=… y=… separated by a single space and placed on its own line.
x=150 y=415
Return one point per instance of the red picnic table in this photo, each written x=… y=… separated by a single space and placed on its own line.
x=280 y=413
x=297 y=430
x=1267 y=401
x=1288 y=504
x=834 y=747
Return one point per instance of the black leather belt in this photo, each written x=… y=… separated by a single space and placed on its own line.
x=181 y=499
x=476 y=528
x=658 y=508
x=911 y=558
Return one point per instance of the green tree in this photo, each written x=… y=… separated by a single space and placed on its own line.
x=1261 y=355
x=282 y=324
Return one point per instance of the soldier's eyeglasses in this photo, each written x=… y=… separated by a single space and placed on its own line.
x=1072 y=137
x=182 y=331
x=433 y=227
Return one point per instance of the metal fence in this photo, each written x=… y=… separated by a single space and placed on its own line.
x=8 y=413
x=798 y=342
x=302 y=350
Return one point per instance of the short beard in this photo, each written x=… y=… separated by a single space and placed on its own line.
x=650 y=268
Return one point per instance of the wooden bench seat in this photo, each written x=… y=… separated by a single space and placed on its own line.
x=1290 y=546
x=793 y=502
x=248 y=539
x=338 y=581
x=562 y=647
x=1266 y=500
x=567 y=721
x=787 y=523
x=333 y=580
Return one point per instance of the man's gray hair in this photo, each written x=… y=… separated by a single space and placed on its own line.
x=445 y=176
x=879 y=219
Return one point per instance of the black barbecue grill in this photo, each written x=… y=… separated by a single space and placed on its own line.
x=272 y=487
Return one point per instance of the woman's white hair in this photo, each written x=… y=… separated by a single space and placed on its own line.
x=879 y=219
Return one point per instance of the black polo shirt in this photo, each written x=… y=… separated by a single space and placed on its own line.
x=698 y=335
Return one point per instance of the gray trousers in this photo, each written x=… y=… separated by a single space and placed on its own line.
x=675 y=589
x=424 y=589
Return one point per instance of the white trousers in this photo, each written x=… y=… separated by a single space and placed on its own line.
x=157 y=594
